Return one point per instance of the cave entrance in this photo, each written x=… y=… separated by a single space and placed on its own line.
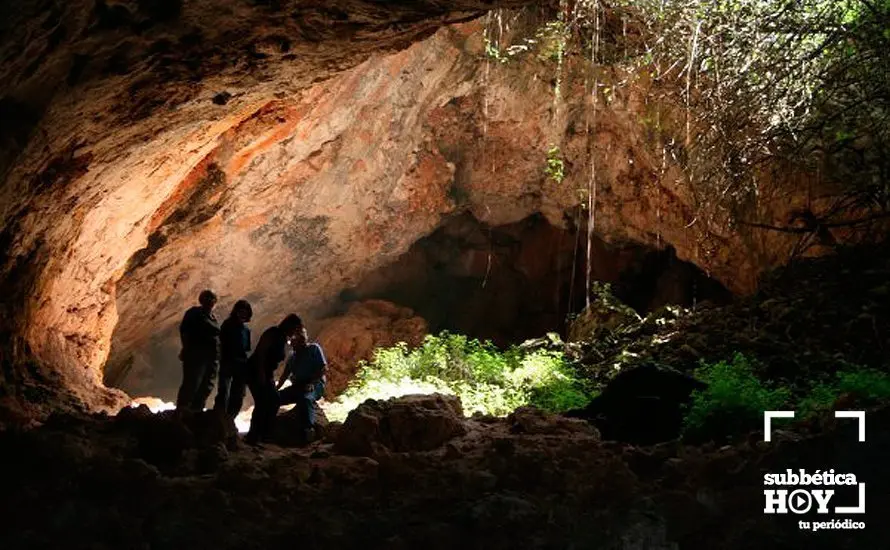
x=505 y=283
x=513 y=282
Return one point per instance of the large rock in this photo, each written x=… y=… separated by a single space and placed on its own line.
x=156 y=158
x=288 y=431
x=365 y=327
x=408 y=423
x=532 y=421
x=604 y=314
x=642 y=405
x=164 y=439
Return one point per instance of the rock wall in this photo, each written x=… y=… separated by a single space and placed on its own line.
x=178 y=149
x=367 y=325
x=116 y=112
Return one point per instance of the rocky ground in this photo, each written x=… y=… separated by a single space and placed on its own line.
x=415 y=472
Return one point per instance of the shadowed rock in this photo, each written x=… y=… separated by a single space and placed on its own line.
x=409 y=423
x=642 y=405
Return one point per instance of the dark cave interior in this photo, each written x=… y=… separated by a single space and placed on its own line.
x=518 y=281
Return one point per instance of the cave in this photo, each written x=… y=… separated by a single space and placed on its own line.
x=506 y=283
x=389 y=170
x=515 y=282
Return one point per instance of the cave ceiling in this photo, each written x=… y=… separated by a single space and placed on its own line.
x=280 y=151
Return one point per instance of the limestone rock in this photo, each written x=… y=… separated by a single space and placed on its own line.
x=162 y=439
x=165 y=438
x=530 y=420
x=288 y=431
x=408 y=423
x=367 y=325
x=605 y=314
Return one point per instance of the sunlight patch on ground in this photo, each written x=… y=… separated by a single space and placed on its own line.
x=242 y=421
x=155 y=405
x=381 y=390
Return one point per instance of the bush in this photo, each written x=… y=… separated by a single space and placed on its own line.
x=486 y=379
x=736 y=397
x=864 y=384
x=733 y=402
x=869 y=384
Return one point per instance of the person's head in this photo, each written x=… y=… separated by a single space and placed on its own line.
x=291 y=324
x=242 y=311
x=207 y=299
x=300 y=339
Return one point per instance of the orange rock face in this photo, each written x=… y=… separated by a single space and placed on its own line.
x=282 y=157
x=353 y=337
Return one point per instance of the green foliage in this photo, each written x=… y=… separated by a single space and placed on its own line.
x=862 y=383
x=868 y=383
x=549 y=41
x=486 y=379
x=734 y=400
x=747 y=83
x=555 y=168
x=736 y=396
x=552 y=39
x=493 y=52
x=820 y=399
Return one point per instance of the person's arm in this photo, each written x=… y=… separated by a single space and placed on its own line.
x=186 y=332
x=288 y=368
x=320 y=363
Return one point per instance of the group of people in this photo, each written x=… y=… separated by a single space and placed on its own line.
x=210 y=350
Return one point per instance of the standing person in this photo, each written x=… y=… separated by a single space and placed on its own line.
x=270 y=352
x=306 y=370
x=234 y=340
x=199 y=334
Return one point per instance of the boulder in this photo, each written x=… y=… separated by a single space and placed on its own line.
x=641 y=405
x=604 y=314
x=367 y=325
x=163 y=439
x=288 y=430
x=530 y=420
x=211 y=428
x=401 y=424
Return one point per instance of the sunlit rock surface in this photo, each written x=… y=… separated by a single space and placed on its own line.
x=353 y=337
x=121 y=129
x=280 y=151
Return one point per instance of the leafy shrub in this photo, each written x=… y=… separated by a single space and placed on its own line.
x=555 y=168
x=863 y=383
x=735 y=398
x=486 y=379
x=733 y=402
x=819 y=399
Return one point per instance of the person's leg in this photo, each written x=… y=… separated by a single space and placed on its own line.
x=310 y=412
x=319 y=390
x=269 y=410
x=256 y=418
x=289 y=396
x=190 y=378
x=223 y=388
x=236 y=394
x=205 y=386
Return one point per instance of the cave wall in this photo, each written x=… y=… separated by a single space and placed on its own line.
x=279 y=151
x=115 y=107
